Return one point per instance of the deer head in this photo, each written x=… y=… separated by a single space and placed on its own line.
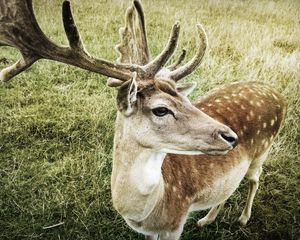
x=153 y=111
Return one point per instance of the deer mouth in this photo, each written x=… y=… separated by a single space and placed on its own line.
x=196 y=151
x=216 y=152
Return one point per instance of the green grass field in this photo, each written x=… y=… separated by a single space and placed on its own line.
x=57 y=121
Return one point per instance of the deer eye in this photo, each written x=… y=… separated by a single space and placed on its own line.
x=160 y=111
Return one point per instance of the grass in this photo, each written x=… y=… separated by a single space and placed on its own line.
x=57 y=121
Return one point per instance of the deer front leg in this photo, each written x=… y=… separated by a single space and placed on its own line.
x=211 y=215
x=174 y=235
x=171 y=235
x=151 y=237
x=253 y=186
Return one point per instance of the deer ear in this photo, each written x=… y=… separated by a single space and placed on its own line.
x=127 y=96
x=187 y=88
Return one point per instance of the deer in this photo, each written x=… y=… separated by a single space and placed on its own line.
x=170 y=156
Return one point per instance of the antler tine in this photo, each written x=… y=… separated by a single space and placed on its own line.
x=179 y=61
x=70 y=27
x=188 y=68
x=22 y=64
x=155 y=65
x=122 y=47
x=140 y=11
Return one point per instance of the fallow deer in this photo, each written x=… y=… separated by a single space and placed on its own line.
x=170 y=156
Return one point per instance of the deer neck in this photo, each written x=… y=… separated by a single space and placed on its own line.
x=137 y=182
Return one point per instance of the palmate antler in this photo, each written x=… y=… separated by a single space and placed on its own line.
x=133 y=48
x=19 y=29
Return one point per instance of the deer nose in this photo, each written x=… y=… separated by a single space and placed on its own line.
x=230 y=137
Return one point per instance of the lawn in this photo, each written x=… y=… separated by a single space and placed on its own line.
x=57 y=121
